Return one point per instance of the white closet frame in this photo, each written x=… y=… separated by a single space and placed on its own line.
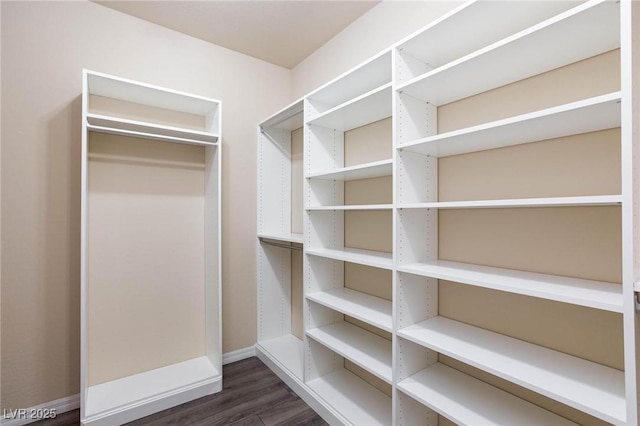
x=452 y=58
x=135 y=396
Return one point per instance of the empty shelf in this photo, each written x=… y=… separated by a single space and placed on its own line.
x=469 y=401
x=589 y=115
x=376 y=259
x=593 y=294
x=365 y=349
x=359 y=402
x=589 y=200
x=288 y=238
x=370 y=309
x=287 y=351
x=361 y=171
x=353 y=207
x=593 y=388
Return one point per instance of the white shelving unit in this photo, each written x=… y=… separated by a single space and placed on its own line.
x=444 y=366
x=136 y=112
x=277 y=345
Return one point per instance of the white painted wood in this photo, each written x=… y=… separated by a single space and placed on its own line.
x=373 y=73
x=359 y=402
x=584 y=201
x=361 y=171
x=289 y=118
x=372 y=106
x=584 y=385
x=593 y=294
x=128 y=396
x=126 y=399
x=376 y=259
x=238 y=355
x=287 y=349
x=134 y=91
x=468 y=401
x=353 y=207
x=287 y=238
x=364 y=307
x=582 y=32
x=365 y=349
x=483 y=22
x=589 y=115
x=122 y=126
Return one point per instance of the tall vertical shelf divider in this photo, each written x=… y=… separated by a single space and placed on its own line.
x=454 y=91
x=150 y=157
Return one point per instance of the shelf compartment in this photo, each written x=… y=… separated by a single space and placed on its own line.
x=288 y=118
x=584 y=201
x=370 y=309
x=116 y=396
x=121 y=126
x=357 y=401
x=372 y=106
x=582 y=32
x=468 y=401
x=377 y=259
x=587 y=386
x=592 y=294
x=484 y=24
x=589 y=115
x=364 y=78
x=287 y=350
x=361 y=171
x=287 y=238
x=353 y=207
x=365 y=349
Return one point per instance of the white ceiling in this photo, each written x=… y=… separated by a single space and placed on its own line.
x=282 y=32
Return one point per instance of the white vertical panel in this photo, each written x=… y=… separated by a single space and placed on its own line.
x=213 y=251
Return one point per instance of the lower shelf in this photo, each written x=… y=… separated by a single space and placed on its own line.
x=469 y=401
x=359 y=402
x=286 y=350
x=126 y=399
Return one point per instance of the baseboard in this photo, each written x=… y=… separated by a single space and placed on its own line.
x=33 y=414
x=238 y=355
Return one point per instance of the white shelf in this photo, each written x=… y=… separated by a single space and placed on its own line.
x=352 y=207
x=288 y=118
x=372 y=106
x=149 y=386
x=357 y=401
x=584 y=201
x=286 y=350
x=370 y=309
x=582 y=32
x=371 y=74
x=484 y=23
x=365 y=349
x=593 y=294
x=468 y=401
x=377 y=259
x=589 y=115
x=121 y=126
x=593 y=388
x=287 y=238
x=361 y=171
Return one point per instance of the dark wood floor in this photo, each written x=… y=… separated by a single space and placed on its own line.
x=252 y=395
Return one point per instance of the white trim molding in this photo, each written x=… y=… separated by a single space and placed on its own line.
x=238 y=355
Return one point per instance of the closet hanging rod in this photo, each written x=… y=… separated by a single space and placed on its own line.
x=270 y=243
x=281 y=120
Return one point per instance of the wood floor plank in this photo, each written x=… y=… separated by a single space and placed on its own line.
x=251 y=394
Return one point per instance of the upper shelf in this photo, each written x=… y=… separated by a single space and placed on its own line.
x=120 y=106
x=288 y=118
x=361 y=171
x=484 y=22
x=582 y=32
x=367 y=108
x=366 y=77
x=588 y=115
x=121 y=126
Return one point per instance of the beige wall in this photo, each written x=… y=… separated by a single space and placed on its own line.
x=45 y=45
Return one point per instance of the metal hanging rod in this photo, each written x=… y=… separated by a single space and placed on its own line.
x=270 y=243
